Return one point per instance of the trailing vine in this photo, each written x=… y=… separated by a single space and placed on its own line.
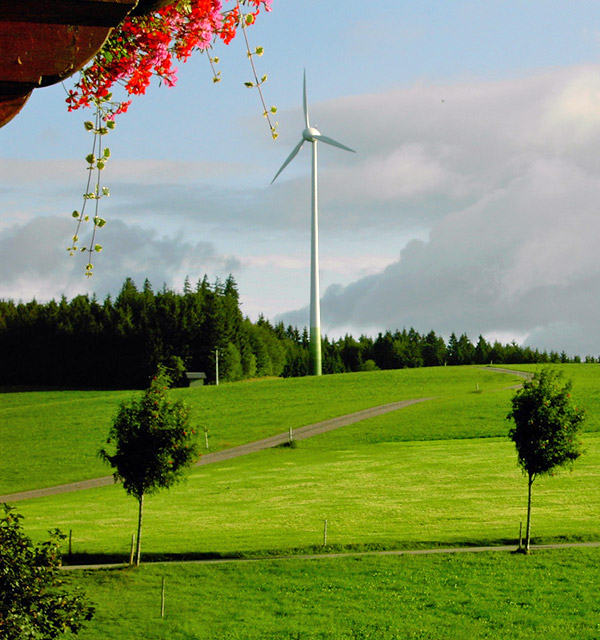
x=140 y=48
x=245 y=21
x=94 y=192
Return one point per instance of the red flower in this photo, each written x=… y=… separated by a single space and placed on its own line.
x=147 y=46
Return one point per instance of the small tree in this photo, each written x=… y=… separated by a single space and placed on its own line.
x=153 y=444
x=547 y=428
x=33 y=603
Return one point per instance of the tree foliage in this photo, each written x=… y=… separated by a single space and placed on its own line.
x=153 y=444
x=547 y=428
x=84 y=343
x=33 y=603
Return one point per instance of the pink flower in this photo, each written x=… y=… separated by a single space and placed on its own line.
x=146 y=46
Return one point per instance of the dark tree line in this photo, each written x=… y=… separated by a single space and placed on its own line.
x=120 y=343
x=84 y=343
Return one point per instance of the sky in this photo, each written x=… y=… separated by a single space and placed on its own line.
x=472 y=203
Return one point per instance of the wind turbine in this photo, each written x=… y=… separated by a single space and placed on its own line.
x=312 y=135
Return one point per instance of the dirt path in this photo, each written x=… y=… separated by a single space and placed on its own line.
x=521 y=374
x=226 y=454
x=251 y=447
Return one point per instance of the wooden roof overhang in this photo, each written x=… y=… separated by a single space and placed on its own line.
x=45 y=41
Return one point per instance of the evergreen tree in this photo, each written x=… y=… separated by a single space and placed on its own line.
x=482 y=351
x=433 y=350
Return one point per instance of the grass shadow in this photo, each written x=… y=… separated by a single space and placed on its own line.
x=78 y=559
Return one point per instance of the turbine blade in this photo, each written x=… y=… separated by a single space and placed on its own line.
x=326 y=140
x=305 y=103
x=289 y=159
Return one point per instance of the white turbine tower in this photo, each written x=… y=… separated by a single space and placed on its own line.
x=310 y=134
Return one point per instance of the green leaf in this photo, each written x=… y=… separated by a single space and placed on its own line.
x=90 y=158
x=88 y=125
x=75 y=214
x=110 y=124
x=105 y=191
x=249 y=84
x=98 y=248
x=259 y=51
x=106 y=153
x=100 y=165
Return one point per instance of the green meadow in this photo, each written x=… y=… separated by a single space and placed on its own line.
x=550 y=595
x=436 y=474
x=52 y=437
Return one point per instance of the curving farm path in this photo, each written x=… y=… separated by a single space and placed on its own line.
x=273 y=441
x=251 y=447
x=226 y=454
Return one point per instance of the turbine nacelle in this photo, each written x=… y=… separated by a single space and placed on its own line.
x=310 y=134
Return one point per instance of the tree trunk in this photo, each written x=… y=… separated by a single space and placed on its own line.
x=138 y=544
x=528 y=531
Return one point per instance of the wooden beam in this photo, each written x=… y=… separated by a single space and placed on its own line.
x=43 y=54
x=12 y=100
x=98 y=13
x=44 y=41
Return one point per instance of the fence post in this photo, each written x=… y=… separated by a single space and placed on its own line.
x=162 y=599
x=521 y=534
x=132 y=549
x=325 y=534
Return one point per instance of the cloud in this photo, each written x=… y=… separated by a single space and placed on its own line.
x=35 y=264
x=487 y=191
x=512 y=241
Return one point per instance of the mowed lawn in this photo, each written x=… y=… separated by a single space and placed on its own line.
x=52 y=437
x=441 y=473
x=550 y=595
x=387 y=495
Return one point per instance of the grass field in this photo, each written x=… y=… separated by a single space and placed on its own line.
x=550 y=595
x=51 y=438
x=440 y=473
x=388 y=495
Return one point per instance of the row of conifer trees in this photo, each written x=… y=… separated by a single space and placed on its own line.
x=84 y=343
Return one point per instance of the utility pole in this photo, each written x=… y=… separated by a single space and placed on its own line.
x=217 y=367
